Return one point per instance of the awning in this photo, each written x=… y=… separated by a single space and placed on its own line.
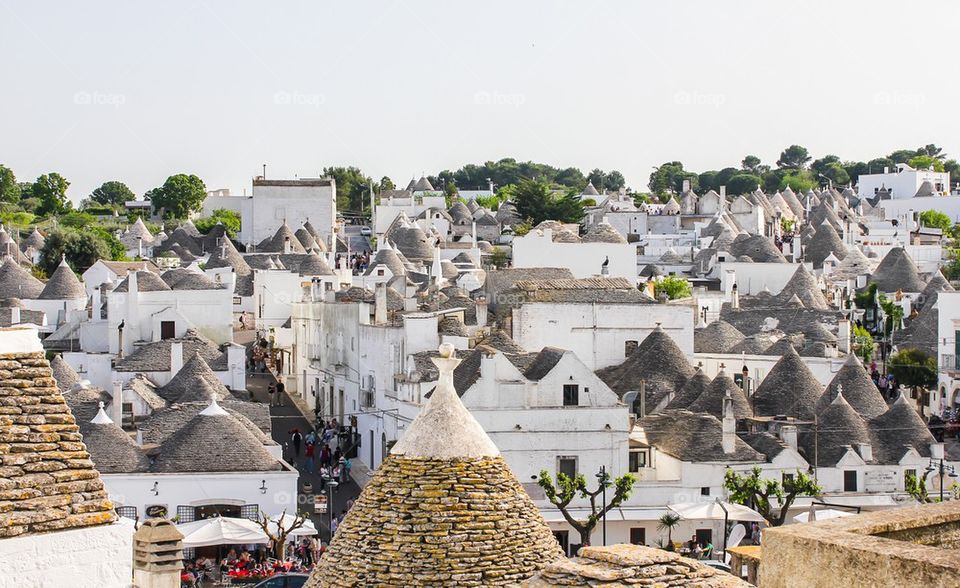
x=221 y=531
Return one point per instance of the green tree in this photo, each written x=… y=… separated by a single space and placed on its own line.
x=228 y=218
x=836 y=173
x=902 y=155
x=855 y=169
x=751 y=164
x=352 y=188
x=51 y=190
x=180 y=195
x=916 y=487
x=750 y=489
x=76 y=219
x=113 y=193
x=708 y=181
x=668 y=521
x=743 y=184
x=933 y=151
x=819 y=166
x=535 y=201
x=925 y=162
x=936 y=220
x=953 y=168
x=794 y=157
x=385 y=184
x=863 y=342
x=82 y=249
x=9 y=189
x=572 y=178
x=914 y=368
x=674 y=286
x=876 y=166
x=798 y=182
x=562 y=493
x=612 y=180
x=499 y=258
x=668 y=179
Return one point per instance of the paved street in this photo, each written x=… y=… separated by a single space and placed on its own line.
x=284 y=419
x=358 y=243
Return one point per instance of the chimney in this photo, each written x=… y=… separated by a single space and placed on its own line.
x=380 y=310
x=886 y=169
x=866 y=451
x=116 y=405
x=157 y=554
x=176 y=357
x=488 y=368
x=843 y=335
x=132 y=283
x=735 y=296
x=14 y=315
x=788 y=434
x=140 y=247
x=286 y=245
x=729 y=426
x=723 y=195
x=686 y=185
x=481 y=311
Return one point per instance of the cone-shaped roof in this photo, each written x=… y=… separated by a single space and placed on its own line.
x=35 y=240
x=412 y=242
x=789 y=389
x=306 y=239
x=711 y=401
x=695 y=387
x=657 y=364
x=758 y=248
x=195 y=382
x=214 y=441
x=63 y=285
x=897 y=272
x=227 y=256
x=858 y=389
x=111 y=450
x=63 y=373
x=603 y=232
x=717 y=337
x=276 y=243
x=443 y=491
x=824 y=242
x=423 y=185
x=313 y=232
x=935 y=285
x=386 y=256
x=838 y=426
x=790 y=197
x=590 y=190
x=804 y=286
x=853 y=265
x=460 y=213
x=314 y=265
x=896 y=430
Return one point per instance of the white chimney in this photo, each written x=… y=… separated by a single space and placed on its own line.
x=380 y=310
x=843 y=335
x=176 y=357
x=723 y=195
x=481 y=311
x=788 y=434
x=729 y=425
x=735 y=298
x=286 y=245
x=866 y=451
x=116 y=405
x=686 y=185
x=14 y=315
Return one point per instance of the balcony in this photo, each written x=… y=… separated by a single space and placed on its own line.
x=368 y=398
x=950 y=363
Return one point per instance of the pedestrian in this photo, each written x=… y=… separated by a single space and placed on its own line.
x=333 y=526
x=347 y=464
x=280 y=391
x=297 y=439
x=308 y=456
x=325 y=455
x=272 y=392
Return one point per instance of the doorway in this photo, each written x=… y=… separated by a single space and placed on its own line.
x=168 y=330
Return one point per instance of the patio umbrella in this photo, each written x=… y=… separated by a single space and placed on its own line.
x=221 y=531
x=717 y=510
x=307 y=529
x=821 y=515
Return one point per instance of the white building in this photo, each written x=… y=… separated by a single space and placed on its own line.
x=584 y=259
x=903 y=182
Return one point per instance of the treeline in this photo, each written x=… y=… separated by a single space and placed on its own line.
x=795 y=168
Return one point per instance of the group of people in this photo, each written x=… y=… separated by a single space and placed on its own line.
x=317 y=454
x=300 y=556
x=358 y=261
x=886 y=384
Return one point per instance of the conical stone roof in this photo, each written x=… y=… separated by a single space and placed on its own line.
x=838 y=427
x=413 y=243
x=63 y=373
x=853 y=265
x=63 y=285
x=934 y=286
x=789 y=389
x=314 y=265
x=195 y=382
x=804 y=286
x=898 y=429
x=711 y=401
x=443 y=509
x=276 y=243
x=305 y=238
x=824 y=242
x=695 y=387
x=858 y=389
x=657 y=365
x=111 y=450
x=717 y=337
x=897 y=272
x=386 y=256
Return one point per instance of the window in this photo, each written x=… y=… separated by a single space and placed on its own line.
x=563 y=538
x=567 y=465
x=571 y=395
x=705 y=491
x=638 y=459
x=629 y=347
x=850 y=481
x=787 y=480
x=168 y=330
x=638 y=536
x=129 y=512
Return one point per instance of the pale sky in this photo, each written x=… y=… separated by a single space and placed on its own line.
x=137 y=91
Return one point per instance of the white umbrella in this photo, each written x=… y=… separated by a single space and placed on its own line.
x=821 y=515
x=221 y=531
x=716 y=510
x=307 y=529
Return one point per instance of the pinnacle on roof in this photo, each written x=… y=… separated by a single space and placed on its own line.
x=896 y=430
x=194 y=382
x=790 y=388
x=63 y=373
x=717 y=337
x=824 y=242
x=806 y=288
x=111 y=450
x=277 y=243
x=63 y=285
x=226 y=255
x=711 y=401
x=590 y=190
x=858 y=389
x=444 y=458
x=897 y=272
x=838 y=427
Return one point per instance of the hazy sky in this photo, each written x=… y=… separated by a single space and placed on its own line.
x=137 y=91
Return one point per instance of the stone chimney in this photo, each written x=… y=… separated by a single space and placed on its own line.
x=176 y=357
x=157 y=555
x=116 y=405
x=788 y=434
x=866 y=451
x=380 y=304
x=729 y=440
x=481 y=311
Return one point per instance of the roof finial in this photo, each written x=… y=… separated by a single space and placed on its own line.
x=101 y=418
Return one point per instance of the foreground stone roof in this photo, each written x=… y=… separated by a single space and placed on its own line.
x=47 y=481
x=631 y=565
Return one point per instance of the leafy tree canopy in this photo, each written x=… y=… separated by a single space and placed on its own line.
x=771 y=498
x=82 y=247
x=562 y=492
x=925 y=162
x=51 y=191
x=9 y=188
x=743 y=183
x=674 y=286
x=794 y=157
x=180 y=195
x=913 y=367
x=112 y=193
x=352 y=188
x=536 y=201
x=936 y=219
x=228 y=218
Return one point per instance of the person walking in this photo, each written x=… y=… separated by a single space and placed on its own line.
x=280 y=391
x=272 y=392
x=297 y=439
x=308 y=456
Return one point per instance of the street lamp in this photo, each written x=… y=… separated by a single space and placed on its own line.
x=603 y=478
x=331 y=484
x=941 y=469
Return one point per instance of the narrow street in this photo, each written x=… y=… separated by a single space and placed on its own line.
x=284 y=420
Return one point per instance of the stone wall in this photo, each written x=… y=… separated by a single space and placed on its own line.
x=439 y=522
x=93 y=557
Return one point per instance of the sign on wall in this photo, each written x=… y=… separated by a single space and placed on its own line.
x=156 y=511
x=880 y=481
